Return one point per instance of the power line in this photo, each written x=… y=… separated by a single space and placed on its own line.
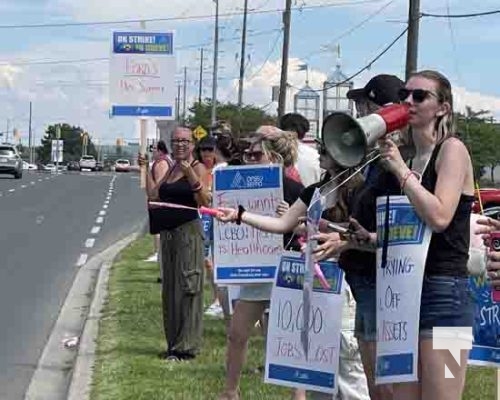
x=471 y=15
x=183 y=18
x=367 y=66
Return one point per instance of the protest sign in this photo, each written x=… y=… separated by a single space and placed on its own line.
x=399 y=288
x=287 y=364
x=486 y=330
x=243 y=254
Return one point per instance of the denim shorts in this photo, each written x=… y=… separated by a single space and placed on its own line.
x=364 y=292
x=445 y=301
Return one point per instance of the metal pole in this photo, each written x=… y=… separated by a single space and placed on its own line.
x=284 y=58
x=242 y=60
x=412 y=38
x=216 y=58
x=184 y=98
x=30 y=140
x=7 y=132
x=178 y=103
x=200 y=89
x=58 y=136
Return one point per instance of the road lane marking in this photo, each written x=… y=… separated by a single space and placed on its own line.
x=99 y=220
x=82 y=260
x=95 y=230
x=32 y=183
x=89 y=243
x=102 y=212
x=23 y=186
x=39 y=180
x=12 y=190
x=105 y=206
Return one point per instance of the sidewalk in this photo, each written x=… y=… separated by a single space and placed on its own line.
x=130 y=338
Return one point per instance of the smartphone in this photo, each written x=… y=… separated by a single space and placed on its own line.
x=339 y=228
x=495 y=246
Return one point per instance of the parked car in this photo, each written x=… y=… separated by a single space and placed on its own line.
x=29 y=167
x=88 y=162
x=10 y=161
x=490 y=197
x=98 y=166
x=73 y=166
x=122 y=165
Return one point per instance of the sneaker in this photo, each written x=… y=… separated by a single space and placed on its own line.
x=215 y=310
x=153 y=258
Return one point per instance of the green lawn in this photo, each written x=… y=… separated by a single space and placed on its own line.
x=131 y=337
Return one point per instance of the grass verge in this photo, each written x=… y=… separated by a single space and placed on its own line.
x=131 y=337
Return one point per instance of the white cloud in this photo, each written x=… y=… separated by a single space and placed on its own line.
x=477 y=101
x=8 y=74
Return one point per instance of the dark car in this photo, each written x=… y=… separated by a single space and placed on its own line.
x=73 y=166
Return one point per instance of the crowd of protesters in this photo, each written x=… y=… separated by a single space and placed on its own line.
x=436 y=176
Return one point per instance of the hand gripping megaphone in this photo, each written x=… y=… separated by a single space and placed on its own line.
x=347 y=139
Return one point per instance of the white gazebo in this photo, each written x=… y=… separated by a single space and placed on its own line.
x=335 y=90
x=306 y=103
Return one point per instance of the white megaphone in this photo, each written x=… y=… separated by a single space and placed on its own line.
x=347 y=139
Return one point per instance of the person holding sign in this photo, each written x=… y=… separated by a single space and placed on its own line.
x=352 y=382
x=182 y=249
x=254 y=298
x=438 y=182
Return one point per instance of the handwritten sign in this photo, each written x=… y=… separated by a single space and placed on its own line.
x=142 y=74
x=486 y=330
x=287 y=364
x=243 y=254
x=399 y=288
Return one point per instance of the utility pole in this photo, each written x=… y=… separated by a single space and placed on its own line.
x=216 y=60
x=7 y=131
x=184 y=97
x=284 y=58
x=412 y=37
x=242 y=60
x=200 y=89
x=178 y=103
x=30 y=141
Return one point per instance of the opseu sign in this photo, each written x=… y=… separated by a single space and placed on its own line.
x=142 y=75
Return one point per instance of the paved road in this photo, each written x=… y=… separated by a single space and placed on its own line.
x=49 y=226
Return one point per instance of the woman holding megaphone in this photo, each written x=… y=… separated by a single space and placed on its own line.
x=438 y=182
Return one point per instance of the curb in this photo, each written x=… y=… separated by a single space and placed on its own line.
x=57 y=375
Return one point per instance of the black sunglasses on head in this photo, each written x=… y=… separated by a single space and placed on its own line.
x=418 y=95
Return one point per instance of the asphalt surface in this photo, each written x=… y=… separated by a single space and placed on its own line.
x=49 y=226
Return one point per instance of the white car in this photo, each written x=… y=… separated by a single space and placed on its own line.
x=88 y=162
x=122 y=165
x=29 y=167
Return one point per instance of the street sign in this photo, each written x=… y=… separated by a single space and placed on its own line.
x=57 y=150
x=142 y=75
x=200 y=132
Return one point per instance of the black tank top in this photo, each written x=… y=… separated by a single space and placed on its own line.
x=178 y=192
x=449 y=250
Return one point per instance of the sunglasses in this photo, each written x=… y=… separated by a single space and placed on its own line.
x=252 y=155
x=418 y=95
x=206 y=149
x=180 y=142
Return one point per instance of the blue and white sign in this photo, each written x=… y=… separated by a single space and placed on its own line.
x=142 y=75
x=399 y=288
x=243 y=254
x=486 y=330
x=287 y=364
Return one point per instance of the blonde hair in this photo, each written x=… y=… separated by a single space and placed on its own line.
x=445 y=124
x=278 y=145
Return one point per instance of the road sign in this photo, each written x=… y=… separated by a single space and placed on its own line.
x=200 y=132
x=142 y=75
x=57 y=150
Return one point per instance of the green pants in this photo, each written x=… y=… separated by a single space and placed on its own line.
x=182 y=287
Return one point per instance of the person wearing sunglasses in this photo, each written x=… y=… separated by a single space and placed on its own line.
x=337 y=209
x=278 y=148
x=438 y=180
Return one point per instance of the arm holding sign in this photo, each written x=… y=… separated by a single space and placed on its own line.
x=282 y=224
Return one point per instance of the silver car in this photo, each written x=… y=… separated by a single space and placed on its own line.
x=10 y=161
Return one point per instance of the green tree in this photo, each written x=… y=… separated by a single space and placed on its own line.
x=250 y=118
x=482 y=138
x=71 y=135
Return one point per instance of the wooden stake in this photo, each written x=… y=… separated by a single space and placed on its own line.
x=143 y=144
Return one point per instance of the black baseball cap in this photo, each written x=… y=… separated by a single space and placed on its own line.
x=381 y=89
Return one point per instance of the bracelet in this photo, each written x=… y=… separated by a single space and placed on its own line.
x=407 y=176
x=241 y=210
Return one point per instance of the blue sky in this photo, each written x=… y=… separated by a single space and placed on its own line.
x=466 y=50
